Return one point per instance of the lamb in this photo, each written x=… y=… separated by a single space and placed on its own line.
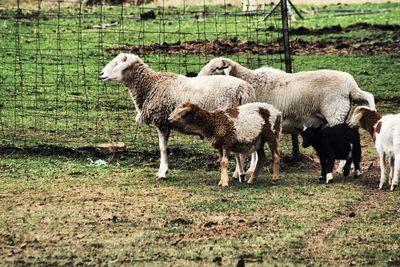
x=242 y=129
x=310 y=97
x=385 y=131
x=156 y=94
x=336 y=142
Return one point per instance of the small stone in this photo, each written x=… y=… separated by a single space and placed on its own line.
x=217 y=260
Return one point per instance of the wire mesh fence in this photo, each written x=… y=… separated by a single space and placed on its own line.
x=52 y=52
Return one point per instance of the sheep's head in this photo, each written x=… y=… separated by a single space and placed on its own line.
x=182 y=118
x=364 y=117
x=218 y=66
x=115 y=68
x=309 y=134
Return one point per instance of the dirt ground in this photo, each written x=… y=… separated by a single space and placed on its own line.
x=377 y=43
x=260 y=2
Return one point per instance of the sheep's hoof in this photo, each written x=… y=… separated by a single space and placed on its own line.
x=357 y=173
x=346 y=172
x=236 y=176
x=250 y=181
x=321 y=179
x=380 y=186
x=242 y=178
x=393 y=187
x=160 y=178
x=329 y=178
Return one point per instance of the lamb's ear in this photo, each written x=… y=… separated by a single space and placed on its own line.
x=298 y=129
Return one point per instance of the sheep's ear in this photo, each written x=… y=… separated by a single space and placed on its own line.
x=298 y=129
x=185 y=110
x=122 y=66
x=123 y=57
x=227 y=70
x=319 y=127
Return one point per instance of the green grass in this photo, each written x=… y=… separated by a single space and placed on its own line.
x=49 y=87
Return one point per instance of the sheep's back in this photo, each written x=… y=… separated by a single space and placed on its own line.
x=212 y=92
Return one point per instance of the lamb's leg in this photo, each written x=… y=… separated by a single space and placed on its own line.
x=224 y=181
x=295 y=146
x=253 y=163
x=322 y=161
x=239 y=167
x=346 y=167
x=340 y=166
x=382 y=165
x=391 y=169
x=273 y=146
x=329 y=168
x=163 y=135
x=260 y=163
x=356 y=155
x=241 y=160
x=395 y=180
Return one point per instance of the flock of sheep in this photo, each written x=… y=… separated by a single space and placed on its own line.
x=238 y=110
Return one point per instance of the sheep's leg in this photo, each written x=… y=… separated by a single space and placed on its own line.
x=346 y=167
x=382 y=165
x=391 y=169
x=322 y=161
x=239 y=170
x=260 y=163
x=395 y=180
x=340 y=166
x=356 y=155
x=329 y=168
x=273 y=146
x=239 y=167
x=253 y=163
x=295 y=146
x=224 y=181
x=163 y=135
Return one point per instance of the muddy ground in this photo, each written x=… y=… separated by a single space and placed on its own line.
x=384 y=41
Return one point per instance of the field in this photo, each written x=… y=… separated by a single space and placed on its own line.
x=57 y=208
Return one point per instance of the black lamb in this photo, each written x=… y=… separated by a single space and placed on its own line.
x=337 y=142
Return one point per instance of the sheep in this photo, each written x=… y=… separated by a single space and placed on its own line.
x=336 y=142
x=310 y=97
x=242 y=129
x=385 y=131
x=156 y=94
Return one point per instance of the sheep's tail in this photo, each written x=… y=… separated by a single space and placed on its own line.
x=358 y=94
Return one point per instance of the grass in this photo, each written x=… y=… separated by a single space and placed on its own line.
x=49 y=85
x=58 y=209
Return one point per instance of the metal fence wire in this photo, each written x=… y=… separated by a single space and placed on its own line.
x=52 y=52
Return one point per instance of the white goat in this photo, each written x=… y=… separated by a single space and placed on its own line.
x=385 y=132
x=243 y=130
x=156 y=94
x=304 y=98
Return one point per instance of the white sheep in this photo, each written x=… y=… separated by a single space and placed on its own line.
x=156 y=94
x=304 y=98
x=385 y=132
x=243 y=130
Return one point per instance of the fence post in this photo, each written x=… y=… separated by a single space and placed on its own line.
x=288 y=65
x=285 y=31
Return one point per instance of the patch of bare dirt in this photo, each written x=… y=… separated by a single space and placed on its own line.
x=315 y=240
x=340 y=46
x=339 y=29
